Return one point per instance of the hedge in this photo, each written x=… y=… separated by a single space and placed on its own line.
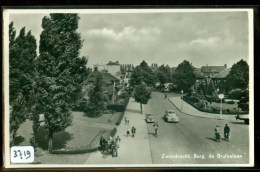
x=120 y=119
x=113 y=132
x=116 y=107
x=74 y=150
x=213 y=109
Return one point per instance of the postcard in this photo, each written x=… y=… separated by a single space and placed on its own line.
x=128 y=87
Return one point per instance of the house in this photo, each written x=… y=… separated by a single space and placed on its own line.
x=109 y=83
x=209 y=71
x=200 y=79
x=220 y=77
x=111 y=67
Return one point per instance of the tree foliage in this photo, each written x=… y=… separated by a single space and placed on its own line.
x=142 y=73
x=184 y=76
x=163 y=74
x=22 y=52
x=59 y=71
x=238 y=76
x=96 y=98
x=142 y=94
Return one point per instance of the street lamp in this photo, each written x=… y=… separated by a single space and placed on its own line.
x=181 y=98
x=221 y=96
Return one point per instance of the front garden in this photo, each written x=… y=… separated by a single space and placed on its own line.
x=212 y=104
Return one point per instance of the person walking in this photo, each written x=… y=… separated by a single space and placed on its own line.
x=102 y=144
x=127 y=133
x=217 y=133
x=155 y=126
x=165 y=96
x=118 y=139
x=114 y=148
x=133 y=130
x=125 y=120
x=226 y=132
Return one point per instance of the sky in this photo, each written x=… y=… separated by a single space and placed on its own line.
x=202 y=38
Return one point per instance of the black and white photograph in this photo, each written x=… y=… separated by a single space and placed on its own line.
x=128 y=88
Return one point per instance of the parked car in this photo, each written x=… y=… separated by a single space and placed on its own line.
x=171 y=116
x=149 y=118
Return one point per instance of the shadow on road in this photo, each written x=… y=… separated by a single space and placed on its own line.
x=133 y=111
x=212 y=139
x=239 y=122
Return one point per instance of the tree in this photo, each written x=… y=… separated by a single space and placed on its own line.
x=163 y=74
x=22 y=52
x=142 y=73
x=142 y=94
x=59 y=72
x=238 y=76
x=184 y=76
x=96 y=98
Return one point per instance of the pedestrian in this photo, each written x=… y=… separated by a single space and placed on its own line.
x=226 y=132
x=133 y=131
x=118 y=139
x=127 y=132
x=165 y=95
x=125 y=120
x=114 y=148
x=217 y=133
x=128 y=121
x=102 y=144
x=155 y=125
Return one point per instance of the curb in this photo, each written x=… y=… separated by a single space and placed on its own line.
x=195 y=115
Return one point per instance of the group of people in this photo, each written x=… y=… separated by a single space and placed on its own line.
x=110 y=145
x=226 y=132
x=133 y=131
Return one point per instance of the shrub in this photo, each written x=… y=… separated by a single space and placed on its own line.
x=230 y=102
x=243 y=106
x=120 y=119
x=200 y=105
x=116 y=107
x=113 y=132
x=74 y=150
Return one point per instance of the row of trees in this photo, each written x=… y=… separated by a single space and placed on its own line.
x=183 y=76
x=49 y=84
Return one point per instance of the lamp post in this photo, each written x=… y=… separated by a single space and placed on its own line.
x=181 y=98
x=221 y=96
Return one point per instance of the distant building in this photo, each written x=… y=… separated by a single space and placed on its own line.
x=109 y=83
x=209 y=71
x=111 y=67
x=220 y=77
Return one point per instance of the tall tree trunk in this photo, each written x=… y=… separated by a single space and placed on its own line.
x=50 y=142
x=13 y=137
x=141 y=108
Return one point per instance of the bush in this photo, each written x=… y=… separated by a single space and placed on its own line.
x=120 y=119
x=113 y=132
x=74 y=150
x=230 y=102
x=243 y=106
x=116 y=107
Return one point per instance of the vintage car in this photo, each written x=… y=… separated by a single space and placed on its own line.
x=171 y=116
x=149 y=118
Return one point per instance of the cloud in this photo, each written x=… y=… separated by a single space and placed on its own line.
x=206 y=42
x=128 y=33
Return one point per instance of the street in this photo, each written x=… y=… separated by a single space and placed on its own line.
x=192 y=140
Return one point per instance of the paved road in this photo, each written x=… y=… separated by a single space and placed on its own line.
x=191 y=141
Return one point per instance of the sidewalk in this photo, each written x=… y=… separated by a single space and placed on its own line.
x=186 y=108
x=132 y=150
